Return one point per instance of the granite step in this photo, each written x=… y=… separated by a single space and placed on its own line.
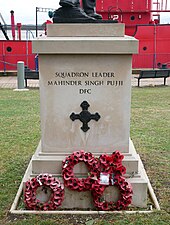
x=53 y=164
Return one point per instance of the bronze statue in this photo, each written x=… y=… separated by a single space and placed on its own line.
x=70 y=11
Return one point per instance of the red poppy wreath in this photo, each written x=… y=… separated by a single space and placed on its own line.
x=45 y=182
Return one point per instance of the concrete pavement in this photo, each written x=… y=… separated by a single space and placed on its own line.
x=11 y=82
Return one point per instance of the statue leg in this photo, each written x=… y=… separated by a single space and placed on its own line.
x=69 y=2
x=89 y=8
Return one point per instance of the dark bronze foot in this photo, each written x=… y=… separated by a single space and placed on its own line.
x=95 y=15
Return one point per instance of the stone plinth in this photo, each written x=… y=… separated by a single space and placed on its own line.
x=86 y=30
x=94 y=69
x=92 y=63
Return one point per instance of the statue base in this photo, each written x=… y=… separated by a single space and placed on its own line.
x=80 y=20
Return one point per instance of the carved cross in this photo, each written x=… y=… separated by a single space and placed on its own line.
x=85 y=116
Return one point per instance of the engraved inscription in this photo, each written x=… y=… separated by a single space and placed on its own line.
x=85 y=80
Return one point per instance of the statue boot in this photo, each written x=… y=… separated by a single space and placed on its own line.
x=89 y=8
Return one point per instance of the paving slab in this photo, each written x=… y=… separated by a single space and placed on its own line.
x=11 y=82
